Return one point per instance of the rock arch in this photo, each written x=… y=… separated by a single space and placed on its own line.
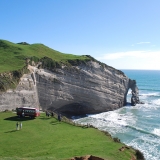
x=135 y=92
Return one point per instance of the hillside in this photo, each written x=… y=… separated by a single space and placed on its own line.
x=13 y=56
x=14 y=60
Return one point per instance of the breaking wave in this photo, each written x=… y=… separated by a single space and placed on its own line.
x=137 y=126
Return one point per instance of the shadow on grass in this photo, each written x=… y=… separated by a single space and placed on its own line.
x=55 y=123
x=11 y=131
x=16 y=118
x=85 y=127
x=45 y=118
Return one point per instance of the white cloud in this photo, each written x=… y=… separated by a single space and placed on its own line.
x=139 y=43
x=132 y=59
x=118 y=55
x=143 y=42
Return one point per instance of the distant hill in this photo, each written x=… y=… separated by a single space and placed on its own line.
x=13 y=56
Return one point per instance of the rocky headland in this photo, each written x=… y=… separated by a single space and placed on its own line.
x=76 y=88
x=85 y=88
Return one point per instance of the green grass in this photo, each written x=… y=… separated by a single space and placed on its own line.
x=12 y=56
x=46 y=138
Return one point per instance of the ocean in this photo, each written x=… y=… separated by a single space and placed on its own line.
x=137 y=126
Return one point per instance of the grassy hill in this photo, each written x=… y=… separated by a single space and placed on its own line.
x=13 y=56
x=46 y=138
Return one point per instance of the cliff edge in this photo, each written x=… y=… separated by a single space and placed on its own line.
x=83 y=89
x=86 y=88
x=75 y=87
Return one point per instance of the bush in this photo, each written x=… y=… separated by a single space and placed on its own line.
x=116 y=140
x=139 y=155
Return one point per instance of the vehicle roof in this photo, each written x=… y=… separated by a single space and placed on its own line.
x=28 y=108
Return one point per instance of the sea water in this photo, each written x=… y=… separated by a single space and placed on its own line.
x=137 y=126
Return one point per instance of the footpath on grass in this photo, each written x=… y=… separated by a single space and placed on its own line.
x=47 y=138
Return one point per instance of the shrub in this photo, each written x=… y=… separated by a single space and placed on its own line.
x=116 y=140
x=139 y=155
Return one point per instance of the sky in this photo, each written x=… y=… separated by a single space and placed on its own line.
x=124 y=34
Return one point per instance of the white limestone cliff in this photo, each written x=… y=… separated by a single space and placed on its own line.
x=73 y=90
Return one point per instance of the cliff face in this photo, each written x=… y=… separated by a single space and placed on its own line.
x=85 y=88
x=24 y=95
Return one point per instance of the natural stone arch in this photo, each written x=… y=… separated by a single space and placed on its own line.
x=135 y=92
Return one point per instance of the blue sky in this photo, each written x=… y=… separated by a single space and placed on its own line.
x=124 y=34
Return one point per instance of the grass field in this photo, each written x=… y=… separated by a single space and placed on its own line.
x=46 y=138
x=12 y=56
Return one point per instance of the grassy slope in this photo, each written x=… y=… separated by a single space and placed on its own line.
x=45 y=138
x=12 y=56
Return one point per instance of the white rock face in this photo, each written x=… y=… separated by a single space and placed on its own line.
x=23 y=96
x=75 y=90
x=82 y=89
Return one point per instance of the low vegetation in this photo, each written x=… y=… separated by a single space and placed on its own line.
x=13 y=56
x=14 y=59
x=46 y=138
x=10 y=79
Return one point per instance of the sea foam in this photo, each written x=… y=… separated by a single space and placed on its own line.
x=156 y=131
x=156 y=102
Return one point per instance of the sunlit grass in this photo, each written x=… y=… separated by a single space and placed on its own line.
x=12 y=56
x=46 y=138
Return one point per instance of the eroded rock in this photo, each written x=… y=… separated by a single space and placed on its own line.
x=85 y=88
